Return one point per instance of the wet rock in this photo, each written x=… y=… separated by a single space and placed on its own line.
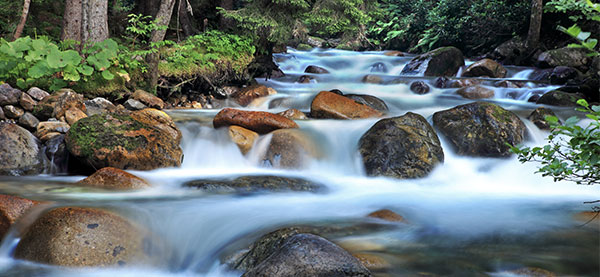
x=315 y=41
x=462 y=83
x=386 y=215
x=148 y=99
x=401 y=147
x=316 y=70
x=260 y=122
x=508 y=84
x=370 y=101
x=302 y=255
x=372 y=262
x=11 y=209
x=337 y=91
x=419 y=87
x=46 y=127
x=293 y=114
x=538 y=117
x=72 y=236
x=73 y=115
x=305 y=79
x=475 y=92
x=8 y=95
x=66 y=100
x=379 y=67
x=560 y=98
x=444 y=61
x=56 y=152
x=485 y=68
x=134 y=105
x=304 y=47
x=393 y=54
x=253 y=184
x=442 y=82
x=512 y=52
x=541 y=75
x=571 y=57
x=115 y=179
x=28 y=121
x=242 y=137
x=372 y=79
x=330 y=105
x=20 y=152
x=122 y=142
x=13 y=112
x=248 y=94
x=27 y=102
x=37 y=93
x=98 y=105
x=562 y=74
x=2 y=116
x=531 y=272
x=290 y=148
x=480 y=129
x=159 y=120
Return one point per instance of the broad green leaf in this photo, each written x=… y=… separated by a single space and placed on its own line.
x=70 y=74
x=58 y=84
x=590 y=43
x=107 y=75
x=583 y=103
x=55 y=60
x=86 y=70
x=39 y=44
x=40 y=69
x=71 y=57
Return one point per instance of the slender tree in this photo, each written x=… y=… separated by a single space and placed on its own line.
x=535 y=24
x=72 y=20
x=24 y=15
x=184 y=10
x=163 y=17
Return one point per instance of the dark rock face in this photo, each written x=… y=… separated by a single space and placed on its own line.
x=538 y=117
x=562 y=74
x=480 y=129
x=20 y=152
x=485 y=68
x=72 y=236
x=510 y=52
x=8 y=95
x=253 y=184
x=571 y=57
x=560 y=98
x=316 y=70
x=444 y=61
x=370 y=101
x=401 y=147
x=419 y=87
x=304 y=255
x=260 y=122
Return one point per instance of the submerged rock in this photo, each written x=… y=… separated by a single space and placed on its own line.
x=444 y=61
x=538 y=117
x=401 y=147
x=20 y=151
x=124 y=142
x=11 y=209
x=419 y=87
x=73 y=236
x=290 y=148
x=252 y=184
x=476 y=92
x=316 y=70
x=485 y=68
x=242 y=137
x=260 y=122
x=386 y=215
x=370 y=101
x=114 y=178
x=372 y=79
x=334 y=106
x=560 y=98
x=248 y=94
x=480 y=129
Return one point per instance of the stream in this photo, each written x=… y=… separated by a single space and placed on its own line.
x=469 y=217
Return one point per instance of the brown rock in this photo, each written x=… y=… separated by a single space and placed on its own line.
x=242 y=137
x=316 y=70
x=290 y=148
x=330 y=105
x=114 y=178
x=293 y=114
x=148 y=99
x=485 y=67
x=387 y=215
x=2 y=116
x=248 y=94
x=13 y=112
x=475 y=92
x=260 y=122
x=158 y=119
x=372 y=79
x=72 y=115
x=305 y=79
x=73 y=236
x=37 y=93
x=462 y=83
x=46 y=127
x=372 y=262
x=26 y=102
x=67 y=99
x=393 y=54
x=11 y=209
x=49 y=136
x=532 y=272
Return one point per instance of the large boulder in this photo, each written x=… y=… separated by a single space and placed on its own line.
x=444 y=61
x=246 y=95
x=124 y=141
x=370 y=101
x=316 y=70
x=331 y=105
x=252 y=184
x=115 y=179
x=560 y=98
x=148 y=99
x=260 y=122
x=480 y=129
x=58 y=103
x=8 y=95
x=485 y=68
x=290 y=148
x=401 y=147
x=20 y=151
x=476 y=92
x=511 y=52
x=73 y=236
x=571 y=57
x=11 y=209
x=306 y=255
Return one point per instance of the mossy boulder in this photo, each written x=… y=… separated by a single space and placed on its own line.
x=572 y=57
x=401 y=147
x=560 y=98
x=480 y=129
x=123 y=141
x=444 y=61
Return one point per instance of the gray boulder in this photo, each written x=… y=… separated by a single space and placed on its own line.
x=444 y=61
x=20 y=152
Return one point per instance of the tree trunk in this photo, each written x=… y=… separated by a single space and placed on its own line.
x=535 y=24
x=72 y=20
x=24 y=14
x=163 y=17
x=95 y=20
x=226 y=4
x=184 y=18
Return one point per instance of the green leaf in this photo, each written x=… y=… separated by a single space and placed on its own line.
x=86 y=70
x=55 y=60
x=107 y=75
x=583 y=35
x=71 y=57
x=70 y=74
x=39 y=70
x=583 y=103
x=590 y=44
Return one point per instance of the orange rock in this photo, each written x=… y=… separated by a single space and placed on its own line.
x=387 y=215
x=331 y=105
x=11 y=209
x=148 y=99
x=372 y=262
x=114 y=178
x=293 y=114
x=242 y=137
x=72 y=115
x=248 y=94
x=260 y=122
x=485 y=68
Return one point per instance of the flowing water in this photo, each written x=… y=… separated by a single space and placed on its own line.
x=469 y=217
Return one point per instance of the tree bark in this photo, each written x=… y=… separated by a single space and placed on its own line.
x=184 y=19
x=535 y=24
x=163 y=17
x=24 y=15
x=95 y=20
x=72 y=20
x=226 y=4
